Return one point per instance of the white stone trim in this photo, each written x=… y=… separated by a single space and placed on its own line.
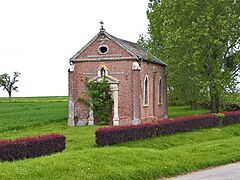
x=135 y=66
x=114 y=88
x=105 y=71
x=104 y=55
x=104 y=59
x=91 y=118
x=84 y=47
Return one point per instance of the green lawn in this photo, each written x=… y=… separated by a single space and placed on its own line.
x=144 y=159
x=177 y=111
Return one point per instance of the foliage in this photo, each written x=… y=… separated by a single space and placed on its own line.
x=30 y=147
x=8 y=84
x=220 y=117
x=100 y=100
x=199 y=41
x=143 y=41
x=231 y=102
x=231 y=117
x=231 y=106
x=153 y=158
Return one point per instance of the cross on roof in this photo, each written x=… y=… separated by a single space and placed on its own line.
x=101 y=24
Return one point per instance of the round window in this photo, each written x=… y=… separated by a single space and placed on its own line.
x=103 y=49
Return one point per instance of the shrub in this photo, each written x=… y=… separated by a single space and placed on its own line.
x=101 y=101
x=231 y=107
x=220 y=117
x=117 y=134
x=231 y=117
x=30 y=147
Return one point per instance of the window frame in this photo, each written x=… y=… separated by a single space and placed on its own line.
x=103 y=46
x=160 y=91
x=146 y=91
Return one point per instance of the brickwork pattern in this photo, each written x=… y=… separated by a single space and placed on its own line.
x=154 y=110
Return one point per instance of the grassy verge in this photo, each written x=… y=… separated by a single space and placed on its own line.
x=144 y=159
x=178 y=111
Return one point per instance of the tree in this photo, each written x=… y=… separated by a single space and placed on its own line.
x=196 y=39
x=8 y=84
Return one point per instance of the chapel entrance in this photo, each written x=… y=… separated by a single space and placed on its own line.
x=110 y=115
x=114 y=84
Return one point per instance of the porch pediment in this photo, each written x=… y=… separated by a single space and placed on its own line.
x=109 y=79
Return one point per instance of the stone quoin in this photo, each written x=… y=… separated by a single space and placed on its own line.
x=138 y=81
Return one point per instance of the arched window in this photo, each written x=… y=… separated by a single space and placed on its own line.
x=160 y=91
x=102 y=71
x=146 y=91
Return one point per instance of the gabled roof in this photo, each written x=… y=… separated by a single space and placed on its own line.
x=137 y=50
x=133 y=48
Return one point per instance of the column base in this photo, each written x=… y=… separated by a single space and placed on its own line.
x=71 y=122
x=81 y=122
x=136 y=121
x=90 y=121
x=116 y=122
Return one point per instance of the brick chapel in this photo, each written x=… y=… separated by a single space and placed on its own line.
x=138 y=83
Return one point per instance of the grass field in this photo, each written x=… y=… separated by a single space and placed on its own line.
x=18 y=113
x=144 y=159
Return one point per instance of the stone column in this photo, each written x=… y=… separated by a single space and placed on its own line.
x=91 y=118
x=71 y=112
x=136 y=91
x=115 y=100
x=70 y=99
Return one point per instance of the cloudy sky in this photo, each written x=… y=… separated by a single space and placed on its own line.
x=37 y=38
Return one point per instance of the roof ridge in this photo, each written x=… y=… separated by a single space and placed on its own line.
x=133 y=48
x=136 y=49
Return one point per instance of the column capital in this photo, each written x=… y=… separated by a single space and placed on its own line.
x=135 y=66
x=114 y=87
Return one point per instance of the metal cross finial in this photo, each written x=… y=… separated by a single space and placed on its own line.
x=101 y=24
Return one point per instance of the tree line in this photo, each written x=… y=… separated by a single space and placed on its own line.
x=200 y=42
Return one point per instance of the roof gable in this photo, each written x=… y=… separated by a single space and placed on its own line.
x=129 y=50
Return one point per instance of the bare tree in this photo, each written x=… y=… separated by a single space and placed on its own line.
x=8 y=84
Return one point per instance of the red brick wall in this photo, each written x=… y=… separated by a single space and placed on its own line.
x=114 y=49
x=153 y=110
x=87 y=69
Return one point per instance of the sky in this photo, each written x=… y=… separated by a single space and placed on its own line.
x=38 y=37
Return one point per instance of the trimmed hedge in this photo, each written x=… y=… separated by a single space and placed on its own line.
x=231 y=117
x=30 y=147
x=116 y=134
